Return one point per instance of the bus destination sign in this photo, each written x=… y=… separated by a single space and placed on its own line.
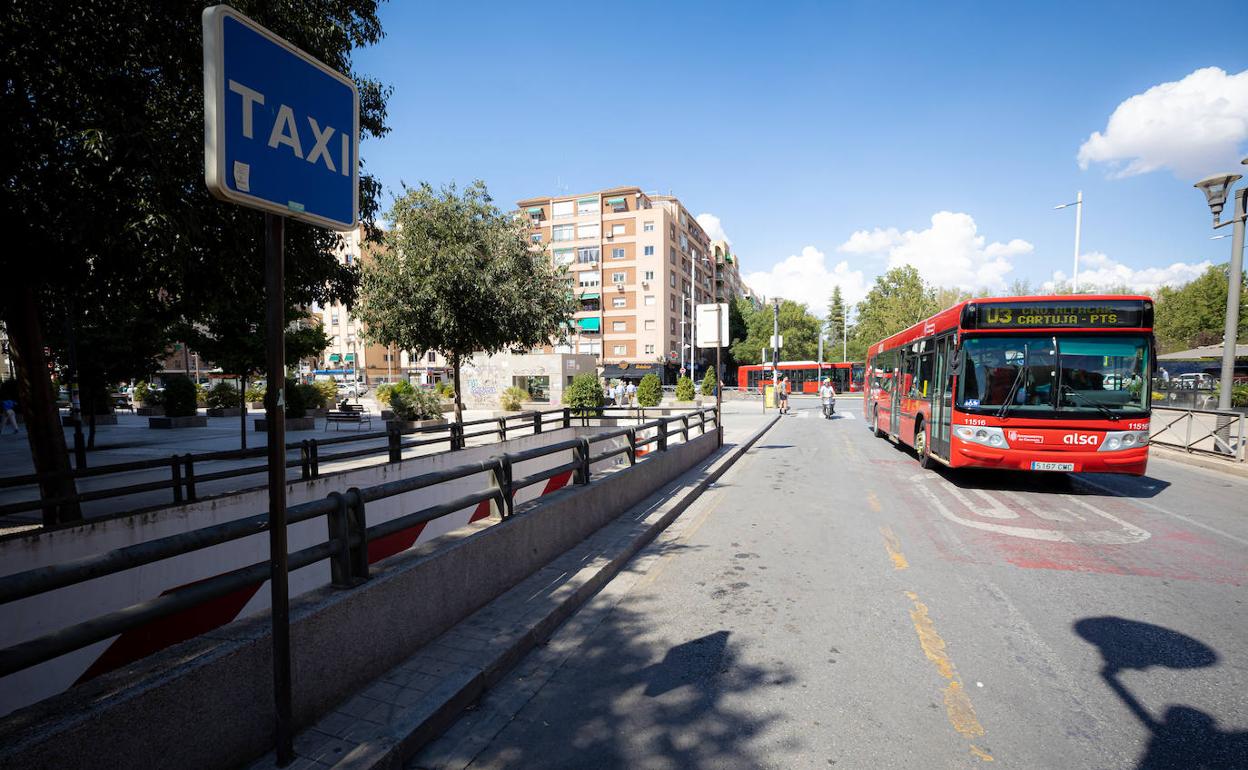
x=1055 y=314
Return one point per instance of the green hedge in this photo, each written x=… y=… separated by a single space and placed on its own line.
x=181 y=396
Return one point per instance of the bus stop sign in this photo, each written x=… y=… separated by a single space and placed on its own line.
x=281 y=129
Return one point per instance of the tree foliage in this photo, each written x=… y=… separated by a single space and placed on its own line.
x=834 y=322
x=899 y=299
x=584 y=395
x=650 y=391
x=1194 y=314
x=459 y=276
x=799 y=327
x=684 y=389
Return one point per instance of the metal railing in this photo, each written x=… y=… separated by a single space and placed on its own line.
x=1203 y=431
x=186 y=471
x=346 y=547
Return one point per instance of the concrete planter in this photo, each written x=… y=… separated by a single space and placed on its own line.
x=163 y=423
x=257 y=405
x=407 y=424
x=100 y=419
x=150 y=411
x=314 y=413
x=387 y=415
x=223 y=411
x=292 y=423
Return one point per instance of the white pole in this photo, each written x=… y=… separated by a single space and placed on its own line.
x=682 y=336
x=1078 y=224
x=693 y=314
x=844 y=336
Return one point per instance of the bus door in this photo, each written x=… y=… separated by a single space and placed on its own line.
x=899 y=392
x=942 y=397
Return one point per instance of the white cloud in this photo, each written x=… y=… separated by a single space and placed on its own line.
x=950 y=253
x=1194 y=127
x=806 y=278
x=713 y=227
x=1097 y=270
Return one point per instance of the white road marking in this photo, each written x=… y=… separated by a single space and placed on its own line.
x=995 y=508
x=1159 y=509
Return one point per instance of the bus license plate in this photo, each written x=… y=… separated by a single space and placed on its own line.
x=1036 y=465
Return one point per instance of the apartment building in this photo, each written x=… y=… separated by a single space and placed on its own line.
x=633 y=260
x=348 y=355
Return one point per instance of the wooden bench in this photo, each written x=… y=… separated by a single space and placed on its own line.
x=351 y=413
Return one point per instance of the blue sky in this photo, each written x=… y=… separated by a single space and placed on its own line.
x=798 y=125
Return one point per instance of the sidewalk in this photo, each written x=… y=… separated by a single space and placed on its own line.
x=385 y=723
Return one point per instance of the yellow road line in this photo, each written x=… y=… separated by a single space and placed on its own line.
x=873 y=501
x=957 y=702
x=893 y=545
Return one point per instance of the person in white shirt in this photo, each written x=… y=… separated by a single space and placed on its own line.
x=630 y=392
x=827 y=397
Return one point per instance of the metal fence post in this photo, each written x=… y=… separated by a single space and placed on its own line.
x=80 y=451
x=392 y=442
x=502 y=477
x=632 y=446
x=176 y=463
x=684 y=429
x=582 y=451
x=537 y=423
x=567 y=417
x=314 y=457
x=457 y=436
x=349 y=565
x=190 y=477
x=661 y=432
x=1187 y=442
x=305 y=461
x=502 y=428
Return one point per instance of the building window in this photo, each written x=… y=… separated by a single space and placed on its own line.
x=671 y=325
x=587 y=255
x=619 y=326
x=617 y=253
x=650 y=299
x=620 y=350
x=538 y=388
x=588 y=278
x=649 y=251
x=648 y=275
x=587 y=206
x=618 y=277
x=564 y=256
x=348 y=259
x=563 y=209
x=650 y=349
x=671 y=255
x=672 y=279
x=651 y=325
x=684 y=243
x=536 y=237
x=617 y=229
x=619 y=302
x=562 y=233
x=431 y=357
x=333 y=320
x=673 y=302
x=647 y=227
x=588 y=231
x=671 y=229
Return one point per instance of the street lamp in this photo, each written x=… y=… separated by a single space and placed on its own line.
x=1078 y=204
x=1215 y=189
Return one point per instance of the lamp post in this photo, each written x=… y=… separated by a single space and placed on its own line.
x=1215 y=189
x=1078 y=204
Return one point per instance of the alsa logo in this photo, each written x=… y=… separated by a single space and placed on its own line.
x=1076 y=439
x=1026 y=438
x=929 y=327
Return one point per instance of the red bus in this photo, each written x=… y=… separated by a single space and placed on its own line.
x=803 y=376
x=1026 y=383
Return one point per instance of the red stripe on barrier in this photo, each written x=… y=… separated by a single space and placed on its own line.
x=483 y=511
x=555 y=483
x=150 y=638
x=389 y=545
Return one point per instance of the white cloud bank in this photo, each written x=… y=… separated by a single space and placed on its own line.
x=713 y=227
x=1101 y=271
x=807 y=278
x=1194 y=127
x=950 y=253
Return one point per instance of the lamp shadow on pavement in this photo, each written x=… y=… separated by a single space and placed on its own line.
x=1184 y=737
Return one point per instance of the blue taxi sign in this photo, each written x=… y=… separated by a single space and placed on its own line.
x=281 y=129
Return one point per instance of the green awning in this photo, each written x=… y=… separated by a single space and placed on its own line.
x=335 y=357
x=588 y=324
x=586 y=200
x=614 y=201
x=535 y=210
x=350 y=356
x=589 y=296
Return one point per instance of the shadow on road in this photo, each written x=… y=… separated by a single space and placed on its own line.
x=1184 y=737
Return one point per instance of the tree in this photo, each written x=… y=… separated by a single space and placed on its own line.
x=834 y=323
x=798 y=326
x=684 y=389
x=103 y=170
x=650 y=391
x=708 y=383
x=1194 y=314
x=898 y=300
x=584 y=395
x=460 y=276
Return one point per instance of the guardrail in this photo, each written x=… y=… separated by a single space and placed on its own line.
x=186 y=470
x=1202 y=431
x=346 y=547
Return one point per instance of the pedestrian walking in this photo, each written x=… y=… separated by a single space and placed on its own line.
x=9 y=406
x=782 y=393
x=630 y=392
x=619 y=393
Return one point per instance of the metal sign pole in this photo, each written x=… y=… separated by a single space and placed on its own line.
x=275 y=416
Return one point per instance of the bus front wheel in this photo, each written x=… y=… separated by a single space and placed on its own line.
x=875 y=422
x=920 y=445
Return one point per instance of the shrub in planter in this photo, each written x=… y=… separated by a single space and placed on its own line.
x=684 y=389
x=313 y=396
x=512 y=398
x=296 y=404
x=417 y=405
x=255 y=395
x=387 y=389
x=181 y=396
x=708 y=383
x=444 y=389
x=650 y=391
x=584 y=395
x=223 y=395
x=144 y=395
x=328 y=390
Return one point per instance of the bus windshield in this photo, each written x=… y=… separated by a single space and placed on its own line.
x=1041 y=375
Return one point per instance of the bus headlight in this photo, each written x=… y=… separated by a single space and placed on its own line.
x=1123 y=439
x=993 y=437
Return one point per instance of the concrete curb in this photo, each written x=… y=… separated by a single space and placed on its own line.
x=390 y=747
x=1229 y=467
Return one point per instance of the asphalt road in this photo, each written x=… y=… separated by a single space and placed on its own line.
x=829 y=604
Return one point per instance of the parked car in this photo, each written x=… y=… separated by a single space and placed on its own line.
x=1195 y=381
x=352 y=388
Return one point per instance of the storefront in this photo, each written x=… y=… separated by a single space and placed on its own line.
x=630 y=371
